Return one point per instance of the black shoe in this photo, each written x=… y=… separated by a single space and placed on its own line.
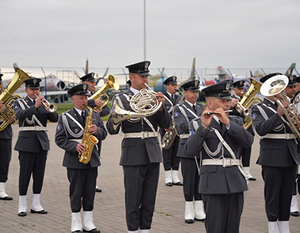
x=99 y=190
x=201 y=220
x=95 y=230
x=178 y=183
x=252 y=178
x=39 y=212
x=189 y=221
x=295 y=214
x=7 y=198
x=22 y=214
x=169 y=184
x=78 y=231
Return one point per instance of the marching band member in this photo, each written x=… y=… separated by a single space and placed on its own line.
x=278 y=158
x=183 y=114
x=220 y=140
x=82 y=177
x=292 y=91
x=5 y=152
x=90 y=80
x=141 y=153
x=32 y=144
x=239 y=92
x=170 y=159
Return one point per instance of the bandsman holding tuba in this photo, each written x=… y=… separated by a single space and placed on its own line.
x=183 y=114
x=141 y=153
x=72 y=127
x=5 y=152
x=278 y=155
x=239 y=92
x=170 y=159
x=32 y=144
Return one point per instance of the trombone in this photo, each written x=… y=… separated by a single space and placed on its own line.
x=50 y=107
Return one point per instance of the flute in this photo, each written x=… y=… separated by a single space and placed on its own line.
x=210 y=113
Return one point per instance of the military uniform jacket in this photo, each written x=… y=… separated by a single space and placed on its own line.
x=6 y=133
x=182 y=123
x=69 y=134
x=169 y=106
x=216 y=179
x=27 y=140
x=273 y=152
x=137 y=151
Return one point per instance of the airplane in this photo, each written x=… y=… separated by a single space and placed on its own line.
x=49 y=86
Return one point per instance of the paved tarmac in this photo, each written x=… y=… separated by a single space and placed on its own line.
x=109 y=210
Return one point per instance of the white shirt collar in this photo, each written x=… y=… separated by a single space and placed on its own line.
x=134 y=90
x=190 y=103
x=79 y=111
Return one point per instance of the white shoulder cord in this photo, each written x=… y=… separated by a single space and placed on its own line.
x=34 y=118
x=67 y=127
x=228 y=148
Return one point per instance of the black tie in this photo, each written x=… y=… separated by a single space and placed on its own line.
x=83 y=116
x=173 y=97
x=194 y=107
x=33 y=102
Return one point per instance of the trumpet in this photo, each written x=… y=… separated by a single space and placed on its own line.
x=50 y=107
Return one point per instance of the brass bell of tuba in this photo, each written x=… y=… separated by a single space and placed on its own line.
x=8 y=98
x=248 y=100
x=112 y=82
x=274 y=86
x=144 y=104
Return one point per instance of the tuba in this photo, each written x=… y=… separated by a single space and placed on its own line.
x=276 y=85
x=248 y=100
x=144 y=104
x=111 y=83
x=8 y=98
x=88 y=140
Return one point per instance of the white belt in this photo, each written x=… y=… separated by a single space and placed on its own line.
x=184 y=135
x=226 y=162
x=34 y=128
x=142 y=135
x=287 y=136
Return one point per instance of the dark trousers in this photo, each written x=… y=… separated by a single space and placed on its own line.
x=82 y=188
x=5 y=157
x=32 y=163
x=170 y=160
x=191 y=179
x=140 y=184
x=279 y=182
x=297 y=185
x=246 y=154
x=223 y=212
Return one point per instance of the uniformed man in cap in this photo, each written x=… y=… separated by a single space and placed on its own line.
x=239 y=92
x=278 y=157
x=170 y=159
x=141 y=153
x=82 y=177
x=90 y=80
x=32 y=144
x=5 y=152
x=294 y=86
x=183 y=114
x=220 y=139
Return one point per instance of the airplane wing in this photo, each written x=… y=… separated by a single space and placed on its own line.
x=290 y=70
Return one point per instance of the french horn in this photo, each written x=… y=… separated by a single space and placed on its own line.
x=144 y=104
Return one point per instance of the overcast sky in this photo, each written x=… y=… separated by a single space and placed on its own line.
x=231 y=33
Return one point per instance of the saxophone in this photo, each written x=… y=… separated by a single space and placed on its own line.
x=88 y=140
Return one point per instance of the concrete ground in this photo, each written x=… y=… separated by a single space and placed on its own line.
x=109 y=205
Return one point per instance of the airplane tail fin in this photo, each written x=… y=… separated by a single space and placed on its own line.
x=87 y=66
x=290 y=69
